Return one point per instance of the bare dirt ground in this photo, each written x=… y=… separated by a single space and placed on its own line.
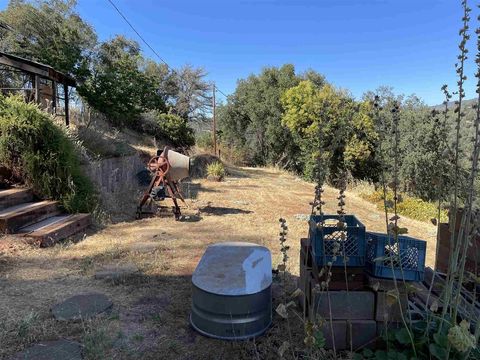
x=149 y=319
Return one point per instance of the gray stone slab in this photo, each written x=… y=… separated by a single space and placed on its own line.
x=302 y=217
x=51 y=350
x=83 y=306
x=354 y=305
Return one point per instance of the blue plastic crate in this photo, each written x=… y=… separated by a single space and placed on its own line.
x=324 y=240
x=407 y=256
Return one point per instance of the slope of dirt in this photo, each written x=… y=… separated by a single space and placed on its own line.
x=149 y=319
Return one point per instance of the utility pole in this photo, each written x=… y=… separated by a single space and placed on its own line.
x=214 y=123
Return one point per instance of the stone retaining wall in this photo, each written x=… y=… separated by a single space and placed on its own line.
x=116 y=182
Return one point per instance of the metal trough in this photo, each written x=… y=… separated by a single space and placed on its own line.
x=231 y=297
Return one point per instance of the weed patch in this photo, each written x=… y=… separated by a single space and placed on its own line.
x=411 y=207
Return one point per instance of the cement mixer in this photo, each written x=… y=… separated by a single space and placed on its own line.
x=167 y=169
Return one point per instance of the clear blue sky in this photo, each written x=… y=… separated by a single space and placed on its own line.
x=357 y=44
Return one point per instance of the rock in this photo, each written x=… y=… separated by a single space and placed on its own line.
x=82 y=306
x=116 y=272
x=52 y=350
x=373 y=216
x=302 y=217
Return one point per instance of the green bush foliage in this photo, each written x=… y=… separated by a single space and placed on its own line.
x=326 y=119
x=118 y=87
x=176 y=130
x=216 y=169
x=251 y=121
x=411 y=207
x=39 y=152
x=205 y=141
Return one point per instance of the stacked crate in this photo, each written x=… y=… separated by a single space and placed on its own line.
x=352 y=322
x=358 y=307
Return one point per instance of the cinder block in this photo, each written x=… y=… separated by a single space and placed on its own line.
x=361 y=333
x=343 y=305
x=337 y=336
x=388 y=308
x=355 y=277
x=383 y=327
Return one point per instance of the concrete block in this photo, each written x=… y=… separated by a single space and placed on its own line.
x=338 y=336
x=388 y=307
x=383 y=327
x=361 y=333
x=343 y=305
x=355 y=277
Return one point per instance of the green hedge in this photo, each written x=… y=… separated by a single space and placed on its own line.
x=40 y=152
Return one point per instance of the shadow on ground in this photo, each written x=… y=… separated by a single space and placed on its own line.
x=220 y=211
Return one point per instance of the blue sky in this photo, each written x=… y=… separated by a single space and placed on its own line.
x=357 y=44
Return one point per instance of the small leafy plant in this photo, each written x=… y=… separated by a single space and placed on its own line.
x=216 y=171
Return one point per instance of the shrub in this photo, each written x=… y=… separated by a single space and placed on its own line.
x=175 y=129
x=40 y=153
x=411 y=207
x=216 y=170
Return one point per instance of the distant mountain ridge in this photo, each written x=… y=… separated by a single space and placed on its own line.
x=451 y=104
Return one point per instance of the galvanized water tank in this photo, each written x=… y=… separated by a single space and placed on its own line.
x=231 y=297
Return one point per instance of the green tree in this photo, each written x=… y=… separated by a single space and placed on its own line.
x=50 y=32
x=327 y=122
x=421 y=137
x=192 y=98
x=118 y=86
x=251 y=121
x=176 y=130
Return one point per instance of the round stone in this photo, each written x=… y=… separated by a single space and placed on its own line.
x=52 y=350
x=84 y=306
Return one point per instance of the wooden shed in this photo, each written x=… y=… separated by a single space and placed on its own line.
x=44 y=82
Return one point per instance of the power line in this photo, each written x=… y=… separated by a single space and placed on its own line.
x=138 y=34
x=148 y=45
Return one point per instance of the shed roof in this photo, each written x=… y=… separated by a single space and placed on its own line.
x=33 y=67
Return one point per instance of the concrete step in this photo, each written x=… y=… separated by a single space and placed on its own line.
x=18 y=216
x=56 y=228
x=14 y=196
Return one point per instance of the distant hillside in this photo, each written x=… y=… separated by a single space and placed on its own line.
x=451 y=104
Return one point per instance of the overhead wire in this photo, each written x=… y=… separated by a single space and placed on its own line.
x=148 y=45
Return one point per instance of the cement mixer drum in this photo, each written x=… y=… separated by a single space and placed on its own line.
x=179 y=165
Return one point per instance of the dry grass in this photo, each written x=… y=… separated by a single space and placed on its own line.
x=150 y=315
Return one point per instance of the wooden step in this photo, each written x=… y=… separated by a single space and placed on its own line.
x=18 y=216
x=56 y=228
x=14 y=196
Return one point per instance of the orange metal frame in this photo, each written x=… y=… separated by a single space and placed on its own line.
x=159 y=167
